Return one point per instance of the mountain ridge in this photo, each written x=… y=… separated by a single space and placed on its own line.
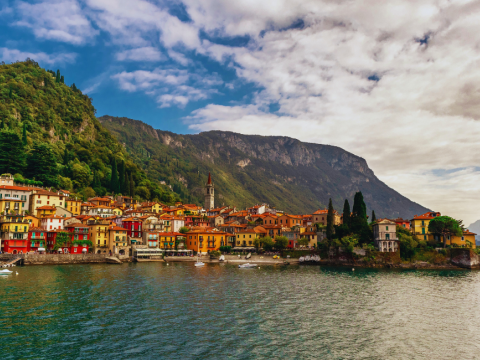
x=285 y=172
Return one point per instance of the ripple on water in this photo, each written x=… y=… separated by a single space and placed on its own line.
x=152 y=310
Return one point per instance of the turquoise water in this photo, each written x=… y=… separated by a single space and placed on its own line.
x=151 y=310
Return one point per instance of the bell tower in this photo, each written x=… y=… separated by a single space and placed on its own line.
x=209 y=194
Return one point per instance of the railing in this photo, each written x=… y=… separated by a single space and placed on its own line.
x=383 y=236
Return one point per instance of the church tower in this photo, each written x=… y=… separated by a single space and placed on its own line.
x=209 y=194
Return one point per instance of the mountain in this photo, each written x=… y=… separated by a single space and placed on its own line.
x=49 y=132
x=286 y=173
x=475 y=228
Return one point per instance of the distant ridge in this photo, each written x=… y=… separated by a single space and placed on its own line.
x=286 y=173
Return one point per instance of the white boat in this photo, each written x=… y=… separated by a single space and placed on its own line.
x=5 y=272
x=221 y=258
x=247 y=266
x=301 y=259
x=199 y=263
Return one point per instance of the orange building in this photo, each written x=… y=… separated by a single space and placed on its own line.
x=205 y=241
x=290 y=220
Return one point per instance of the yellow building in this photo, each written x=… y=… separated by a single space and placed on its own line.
x=117 y=240
x=154 y=207
x=10 y=204
x=246 y=237
x=99 y=235
x=205 y=240
x=46 y=210
x=320 y=217
x=466 y=240
x=166 y=240
x=33 y=221
x=74 y=206
x=419 y=225
x=43 y=197
x=117 y=211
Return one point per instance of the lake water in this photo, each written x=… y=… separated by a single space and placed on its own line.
x=151 y=310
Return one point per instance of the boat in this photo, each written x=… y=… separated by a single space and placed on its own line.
x=247 y=266
x=221 y=258
x=301 y=259
x=199 y=263
x=5 y=272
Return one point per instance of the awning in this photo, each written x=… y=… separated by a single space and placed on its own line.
x=243 y=248
x=41 y=249
x=84 y=250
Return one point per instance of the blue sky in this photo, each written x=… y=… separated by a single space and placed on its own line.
x=395 y=82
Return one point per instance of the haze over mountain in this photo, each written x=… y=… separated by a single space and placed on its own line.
x=293 y=176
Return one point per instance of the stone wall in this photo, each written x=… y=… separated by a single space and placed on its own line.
x=52 y=259
x=464 y=258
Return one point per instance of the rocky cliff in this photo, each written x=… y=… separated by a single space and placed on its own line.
x=293 y=176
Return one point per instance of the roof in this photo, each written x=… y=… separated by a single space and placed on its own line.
x=171 y=234
x=19 y=188
x=468 y=232
x=54 y=217
x=76 y=225
x=47 y=207
x=209 y=182
x=100 y=199
x=117 y=228
x=293 y=216
x=131 y=219
x=46 y=192
x=427 y=216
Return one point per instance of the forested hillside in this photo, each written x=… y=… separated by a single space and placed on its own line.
x=49 y=135
x=247 y=169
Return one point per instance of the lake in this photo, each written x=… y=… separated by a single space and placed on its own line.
x=177 y=311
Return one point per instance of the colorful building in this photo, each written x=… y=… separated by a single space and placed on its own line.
x=320 y=217
x=37 y=239
x=118 y=241
x=205 y=241
x=134 y=229
x=52 y=222
x=290 y=220
x=40 y=198
x=419 y=225
x=46 y=210
x=14 y=234
x=79 y=239
x=99 y=235
x=74 y=206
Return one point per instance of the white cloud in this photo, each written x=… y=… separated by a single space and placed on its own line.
x=12 y=55
x=147 y=53
x=172 y=87
x=56 y=20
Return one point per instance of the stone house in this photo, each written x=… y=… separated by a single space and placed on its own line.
x=385 y=236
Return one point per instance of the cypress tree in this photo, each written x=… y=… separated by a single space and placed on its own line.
x=132 y=186
x=2 y=124
x=10 y=93
x=126 y=190
x=66 y=157
x=12 y=153
x=373 y=216
x=346 y=214
x=121 y=177
x=114 y=178
x=57 y=79
x=62 y=79
x=330 y=220
x=359 y=207
x=42 y=165
x=24 y=135
x=359 y=223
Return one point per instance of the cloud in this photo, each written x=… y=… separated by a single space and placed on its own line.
x=172 y=87
x=147 y=53
x=12 y=55
x=56 y=20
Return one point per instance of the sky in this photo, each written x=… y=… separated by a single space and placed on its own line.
x=395 y=82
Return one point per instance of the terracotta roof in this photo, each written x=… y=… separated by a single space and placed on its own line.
x=131 y=219
x=76 y=225
x=117 y=228
x=171 y=234
x=53 y=217
x=272 y=226
x=468 y=232
x=36 y=229
x=427 y=216
x=19 y=188
x=46 y=192
x=47 y=207
x=209 y=182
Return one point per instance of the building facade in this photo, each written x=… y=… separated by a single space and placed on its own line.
x=209 y=194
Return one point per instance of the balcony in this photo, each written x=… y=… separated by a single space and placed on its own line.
x=386 y=236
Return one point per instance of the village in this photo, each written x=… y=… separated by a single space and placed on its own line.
x=37 y=220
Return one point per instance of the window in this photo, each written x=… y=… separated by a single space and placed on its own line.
x=423 y=223
x=387 y=228
x=463 y=238
x=423 y=230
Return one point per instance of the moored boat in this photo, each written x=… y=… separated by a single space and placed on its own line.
x=247 y=266
x=5 y=272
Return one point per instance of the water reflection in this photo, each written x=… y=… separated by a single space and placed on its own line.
x=153 y=310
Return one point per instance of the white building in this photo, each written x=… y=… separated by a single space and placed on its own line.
x=101 y=210
x=385 y=236
x=52 y=222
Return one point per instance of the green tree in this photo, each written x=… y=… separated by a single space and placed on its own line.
x=267 y=243
x=81 y=176
x=445 y=226
x=374 y=218
x=347 y=243
x=346 y=214
x=12 y=154
x=183 y=230
x=281 y=242
x=408 y=242
x=57 y=79
x=24 y=134
x=114 y=178
x=61 y=240
x=62 y=79
x=303 y=241
x=358 y=221
x=121 y=178
x=330 y=220
x=132 y=186
x=42 y=165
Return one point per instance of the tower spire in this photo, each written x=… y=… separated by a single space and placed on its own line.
x=209 y=179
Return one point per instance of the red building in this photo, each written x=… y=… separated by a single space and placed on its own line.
x=14 y=234
x=37 y=239
x=402 y=223
x=134 y=229
x=79 y=239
